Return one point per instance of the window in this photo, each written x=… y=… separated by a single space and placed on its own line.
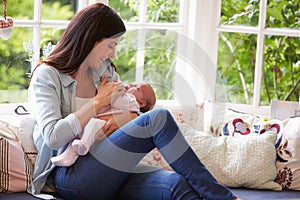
x=40 y=27
x=147 y=52
x=35 y=25
x=184 y=48
x=253 y=44
x=157 y=48
x=259 y=50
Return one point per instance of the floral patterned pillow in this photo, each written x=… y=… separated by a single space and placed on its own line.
x=288 y=155
x=220 y=121
x=155 y=159
x=192 y=115
x=262 y=125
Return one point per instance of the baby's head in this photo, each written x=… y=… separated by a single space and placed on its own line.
x=144 y=95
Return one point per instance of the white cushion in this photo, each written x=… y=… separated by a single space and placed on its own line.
x=247 y=161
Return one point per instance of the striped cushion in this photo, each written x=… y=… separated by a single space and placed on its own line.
x=15 y=168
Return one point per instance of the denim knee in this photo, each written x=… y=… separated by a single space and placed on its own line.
x=156 y=185
x=161 y=112
x=181 y=189
x=161 y=118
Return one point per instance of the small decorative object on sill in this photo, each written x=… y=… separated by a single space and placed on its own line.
x=6 y=24
x=30 y=48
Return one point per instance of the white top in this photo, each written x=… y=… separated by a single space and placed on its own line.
x=81 y=101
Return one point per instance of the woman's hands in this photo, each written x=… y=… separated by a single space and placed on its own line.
x=107 y=93
x=114 y=122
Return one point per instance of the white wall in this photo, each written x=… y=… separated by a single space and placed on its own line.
x=196 y=72
x=102 y=1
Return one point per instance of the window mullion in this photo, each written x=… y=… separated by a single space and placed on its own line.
x=82 y=3
x=183 y=17
x=256 y=30
x=37 y=18
x=259 y=53
x=143 y=12
x=139 y=71
x=94 y=1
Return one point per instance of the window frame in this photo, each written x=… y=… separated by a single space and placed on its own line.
x=187 y=26
x=142 y=24
x=37 y=23
x=261 y=31
x=201 y=23
x=198 y=20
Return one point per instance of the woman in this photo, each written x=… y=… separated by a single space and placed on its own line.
x=109 y=170
x=138 y=97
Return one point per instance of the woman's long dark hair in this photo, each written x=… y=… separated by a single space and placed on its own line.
x=91 y=24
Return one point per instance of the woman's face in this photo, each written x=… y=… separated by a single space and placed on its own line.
x=101 y=51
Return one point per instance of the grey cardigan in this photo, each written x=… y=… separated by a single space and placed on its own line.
x=52 y=103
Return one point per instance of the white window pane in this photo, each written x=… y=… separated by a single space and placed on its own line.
x=58 y=9
x=19 y=9
x=14 y=64
x=163 y=11
x=237 y=12
x=159 y=61
x=236 y=65
x=283 y=14
x=281 y=69
x=50 y=35
x=128 y=10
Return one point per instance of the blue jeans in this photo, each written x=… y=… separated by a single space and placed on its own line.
x=111 y=171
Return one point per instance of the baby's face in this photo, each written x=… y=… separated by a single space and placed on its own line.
x=137 y=89
x=132 y=87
